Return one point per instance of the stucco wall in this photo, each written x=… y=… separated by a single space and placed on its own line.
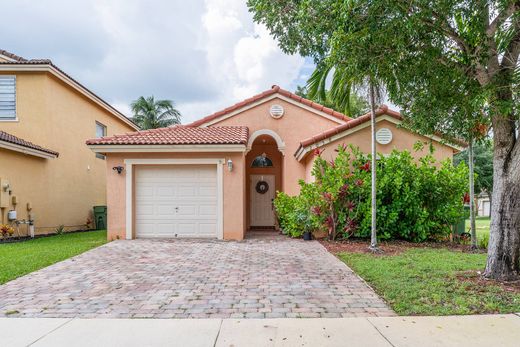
x=234 y=191
x=402 y=139
x=61 y=191
x=296 y=125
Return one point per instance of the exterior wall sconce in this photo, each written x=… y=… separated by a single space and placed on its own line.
x=230 y=165
x=119 y=169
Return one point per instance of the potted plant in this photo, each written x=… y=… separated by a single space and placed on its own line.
x=306 y=224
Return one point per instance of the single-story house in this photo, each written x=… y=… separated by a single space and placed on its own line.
x=217 y=177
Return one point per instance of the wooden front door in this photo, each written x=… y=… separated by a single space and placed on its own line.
x=262 y=188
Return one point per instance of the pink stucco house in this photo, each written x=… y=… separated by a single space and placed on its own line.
x=217 y=176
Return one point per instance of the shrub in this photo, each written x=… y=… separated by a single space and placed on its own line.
x=293 y=214
x=60 y=229
x=416 y=199
x=483 y=241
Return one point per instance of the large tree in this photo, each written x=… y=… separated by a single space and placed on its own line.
x=149 y=113
x=451 y=65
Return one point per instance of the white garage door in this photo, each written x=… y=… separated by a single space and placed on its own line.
x=176 y=201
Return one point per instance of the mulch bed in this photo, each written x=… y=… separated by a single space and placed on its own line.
x=478 y=282
x=389 y=247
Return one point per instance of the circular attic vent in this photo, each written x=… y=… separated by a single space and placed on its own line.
x=384 y=136
x=276 y=111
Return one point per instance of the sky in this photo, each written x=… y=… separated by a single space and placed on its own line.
x=204 y=55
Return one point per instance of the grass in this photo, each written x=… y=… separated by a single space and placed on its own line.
x=20 y=258
x=424 y=281
x=482 y=225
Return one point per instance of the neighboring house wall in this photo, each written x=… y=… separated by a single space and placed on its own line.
x=296 y=124
x=234 y=194
x=61 y=191
x=484 y=206
x=402 y=140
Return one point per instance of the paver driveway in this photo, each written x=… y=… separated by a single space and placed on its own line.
x=256 y=278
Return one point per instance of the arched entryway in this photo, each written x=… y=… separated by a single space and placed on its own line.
x=264 y=165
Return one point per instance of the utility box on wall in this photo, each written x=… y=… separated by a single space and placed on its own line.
x=5 y=188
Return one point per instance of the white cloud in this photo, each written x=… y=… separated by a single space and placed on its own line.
x=205 y=55
x=244 y=59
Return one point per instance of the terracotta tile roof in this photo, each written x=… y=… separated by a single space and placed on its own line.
x=383 y=110
x=22 y=61
x=349 y=125
x=5 y=137
x=11 y=55
x=179 y=135
x=274 y=89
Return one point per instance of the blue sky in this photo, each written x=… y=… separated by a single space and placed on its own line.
x=204 y=55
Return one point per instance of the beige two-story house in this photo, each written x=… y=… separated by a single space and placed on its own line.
x=47 y=174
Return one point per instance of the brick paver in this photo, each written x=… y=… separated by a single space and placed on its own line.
x=271 y=277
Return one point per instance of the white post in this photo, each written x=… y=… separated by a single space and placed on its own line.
x=472 y=195
x=373 y=236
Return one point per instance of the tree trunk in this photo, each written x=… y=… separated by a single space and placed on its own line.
x=373 y=235
x=472 y=196
x=504 y=239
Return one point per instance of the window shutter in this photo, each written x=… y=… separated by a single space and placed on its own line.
x=7 y=97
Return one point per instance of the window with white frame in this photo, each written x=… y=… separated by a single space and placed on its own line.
x=7 y=97
x=101 y=130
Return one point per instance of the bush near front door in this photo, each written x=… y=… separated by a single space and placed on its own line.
x=416 y=199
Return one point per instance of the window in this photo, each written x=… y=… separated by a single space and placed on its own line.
x=262 y=161
x=101 y=130
x=7 y=97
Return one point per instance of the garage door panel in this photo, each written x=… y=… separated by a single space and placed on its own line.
x=208 y=210
x=186 y=190
x=165 y=229
x=144 y=192
x=164 y=191
x=145 y=210
x=207 y=229
x=207 y=190
x=188 y=229
x=146 y=226
x=176 y=201
x=187 y=211
x=165 y=210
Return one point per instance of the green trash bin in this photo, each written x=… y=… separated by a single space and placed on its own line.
x=100 y=217
x=459 y=228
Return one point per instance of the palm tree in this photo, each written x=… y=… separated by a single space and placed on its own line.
x=342 y=85
x=152 y=114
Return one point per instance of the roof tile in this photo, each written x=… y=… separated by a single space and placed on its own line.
x=179 y=135
x=5 y=137
x=383 y=109
x=274 y=89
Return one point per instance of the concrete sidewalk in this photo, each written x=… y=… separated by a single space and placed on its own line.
x=489 y=330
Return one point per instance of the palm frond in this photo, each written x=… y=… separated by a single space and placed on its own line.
x=149 y=113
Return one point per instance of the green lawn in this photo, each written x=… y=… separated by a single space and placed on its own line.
x=482 y=224
x=423 y=281
x=20 y=258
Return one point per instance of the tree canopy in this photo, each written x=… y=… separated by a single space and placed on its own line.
x=149 y=113
x=356 y=107
x=451 y=65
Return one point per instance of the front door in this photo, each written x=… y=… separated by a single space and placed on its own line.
x=262 y=195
